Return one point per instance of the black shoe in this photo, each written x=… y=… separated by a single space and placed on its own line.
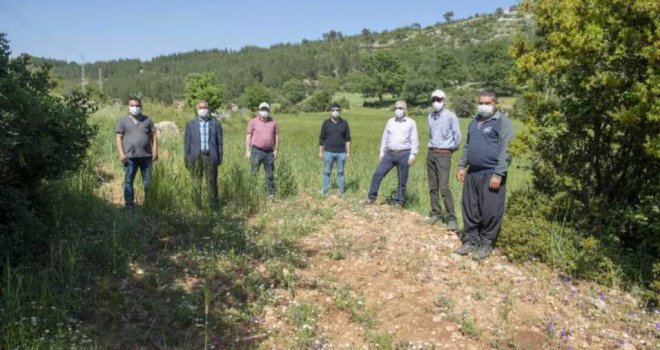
x=482 y=252
x=452 y=225
x=433 y=219
x=465 y=249
x=368 y=201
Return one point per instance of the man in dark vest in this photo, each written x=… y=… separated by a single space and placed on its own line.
x=487 y=159
x=203 y=152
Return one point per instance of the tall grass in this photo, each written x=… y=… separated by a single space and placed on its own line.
x=170 y=273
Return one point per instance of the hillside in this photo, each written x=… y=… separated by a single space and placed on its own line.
x=476 y=42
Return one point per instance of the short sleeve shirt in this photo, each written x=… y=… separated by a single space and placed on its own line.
x=137 y=135
x=263 y=132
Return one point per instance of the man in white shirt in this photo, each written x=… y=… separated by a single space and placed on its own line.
x=398 y=147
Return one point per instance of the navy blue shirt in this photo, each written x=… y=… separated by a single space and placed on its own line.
x=486 y=149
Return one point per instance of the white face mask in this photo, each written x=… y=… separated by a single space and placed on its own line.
x=263 y=114
x=485 y=110
x=334 y=114
x=399 y=113
x=134 y=110
x=438 y=106
x=203 y=112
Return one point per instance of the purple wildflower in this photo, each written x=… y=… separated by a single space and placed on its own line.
x=657 y=326
x=602 y=296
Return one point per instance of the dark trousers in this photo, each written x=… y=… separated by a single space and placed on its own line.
x=259 y=157
x=202 y=168
x=130 y=171
x=483 y=208
x=438 y=167
x=389 y=161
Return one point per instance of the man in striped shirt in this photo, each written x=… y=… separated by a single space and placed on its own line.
x=398 y=148
x=444 y=139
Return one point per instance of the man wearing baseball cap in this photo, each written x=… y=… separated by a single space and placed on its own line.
x=261 y=143
x=398 y=147
x=444 y=139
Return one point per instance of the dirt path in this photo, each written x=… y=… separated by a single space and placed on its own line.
x=379 y=277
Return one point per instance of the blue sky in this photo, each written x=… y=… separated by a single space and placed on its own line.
x=94 y=30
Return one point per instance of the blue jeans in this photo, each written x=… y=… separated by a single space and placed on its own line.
x=130 y=170
x=266 y=158
x=390 y=160
x=328 y=159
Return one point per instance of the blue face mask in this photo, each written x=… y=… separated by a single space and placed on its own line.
x=134 y=110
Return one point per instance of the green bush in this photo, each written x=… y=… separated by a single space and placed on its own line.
x=319 y=101
x=44 y=136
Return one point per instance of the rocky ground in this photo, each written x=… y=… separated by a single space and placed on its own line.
x=379 y=277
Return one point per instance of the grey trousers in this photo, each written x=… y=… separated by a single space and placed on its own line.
x=483 y=209
x=438 y=168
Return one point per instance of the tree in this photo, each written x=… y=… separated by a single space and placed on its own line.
x=202 y=86
x=448 y=16
x=319 y=101
x=294 y=90
x=254 y=95
x=44 y=136
x=382 y=73
x=594 y=116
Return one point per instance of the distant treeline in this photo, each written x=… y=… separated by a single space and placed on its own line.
x=439 y=56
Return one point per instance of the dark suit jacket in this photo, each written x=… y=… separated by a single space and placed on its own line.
x=192 y=146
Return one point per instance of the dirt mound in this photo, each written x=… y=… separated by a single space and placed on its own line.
x=379 y=277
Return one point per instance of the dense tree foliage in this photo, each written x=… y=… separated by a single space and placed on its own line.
x=594 y=118
x=43 y=137
x=202 y=86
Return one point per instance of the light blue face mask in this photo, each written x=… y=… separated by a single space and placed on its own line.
x=134 y=110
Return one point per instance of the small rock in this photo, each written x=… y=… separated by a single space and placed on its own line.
x=167 y=129
x=599 y=304
x=437 y=318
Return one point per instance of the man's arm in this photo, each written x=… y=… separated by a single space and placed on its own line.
x=506 y=133
x=321 y=140
x=219 y=141
x=456 y=131
x=277 y=145
x=120 y=148
x=383 y=141
x=154 y=146
x=414 y=140
x=462 y=162
x=248 y=141
x=347 y=137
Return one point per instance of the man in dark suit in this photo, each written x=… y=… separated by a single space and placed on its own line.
x=203 y=152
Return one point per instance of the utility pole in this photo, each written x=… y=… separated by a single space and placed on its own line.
x=82 y=82
x=101 y=79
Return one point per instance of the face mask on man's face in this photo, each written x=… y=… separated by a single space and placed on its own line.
x=334 y=114
x=485 y=110
x=438 y=106
x=134 y=110
x=399 y=113
x=263 y=114
x=203 y=112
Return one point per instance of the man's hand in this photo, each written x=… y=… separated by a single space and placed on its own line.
x=411 y=161
x=348 y=156
x=247 y=155
x=320 y=155
x=274 y=154
x=495 y=182
x=460 y=175
x=123 y=159
x=154 y=157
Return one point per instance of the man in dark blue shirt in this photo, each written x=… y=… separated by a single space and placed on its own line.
x=486 y=156
x=334 y=146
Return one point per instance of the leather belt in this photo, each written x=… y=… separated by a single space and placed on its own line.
x=206 y=153
x=443 y=151
x=399 y=151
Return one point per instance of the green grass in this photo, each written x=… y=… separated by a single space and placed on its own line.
x=171 y=274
